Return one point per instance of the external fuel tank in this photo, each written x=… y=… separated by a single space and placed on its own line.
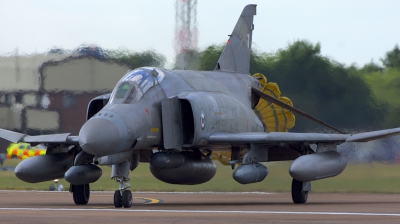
x=194 y=169
x=317 y=166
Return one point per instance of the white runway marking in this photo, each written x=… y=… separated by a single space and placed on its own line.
x=209 y=211
x=149 y=192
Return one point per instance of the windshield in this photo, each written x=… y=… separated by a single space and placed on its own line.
x=134 y=84
x=122 y=90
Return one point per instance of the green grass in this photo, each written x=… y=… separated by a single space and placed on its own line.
x=358 y=178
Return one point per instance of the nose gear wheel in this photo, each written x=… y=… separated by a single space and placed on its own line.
x=122 y=197
x=127 y=199
x=117 y=199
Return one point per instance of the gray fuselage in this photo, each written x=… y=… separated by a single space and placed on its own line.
x=219 y=102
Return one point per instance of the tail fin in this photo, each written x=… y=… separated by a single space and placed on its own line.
x=236 y=55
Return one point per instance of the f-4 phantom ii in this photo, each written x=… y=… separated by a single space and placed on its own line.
x=174 y=119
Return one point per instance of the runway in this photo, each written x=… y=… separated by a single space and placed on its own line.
x=152 y=207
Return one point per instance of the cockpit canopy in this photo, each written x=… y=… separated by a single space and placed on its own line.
x=134 y=85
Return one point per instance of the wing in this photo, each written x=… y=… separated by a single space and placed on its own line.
x=53 y=138
x=276 y=138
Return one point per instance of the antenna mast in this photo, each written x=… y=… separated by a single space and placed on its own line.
x=186 y=32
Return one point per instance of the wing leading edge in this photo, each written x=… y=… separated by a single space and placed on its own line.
x=52 y=138
x=277 y=137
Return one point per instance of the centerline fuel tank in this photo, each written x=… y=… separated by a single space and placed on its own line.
x=194 y=169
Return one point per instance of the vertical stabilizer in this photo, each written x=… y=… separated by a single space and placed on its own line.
x=236 y=55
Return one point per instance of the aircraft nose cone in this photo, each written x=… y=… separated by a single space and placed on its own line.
x=99 y=137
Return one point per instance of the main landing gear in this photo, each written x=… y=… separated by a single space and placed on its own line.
x=120 y=173
x=80 y=193
x=300 y=191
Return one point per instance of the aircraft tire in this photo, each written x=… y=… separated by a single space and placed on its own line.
x=127 y=199
x=117 y=199
x=81 y=194
x=298 y=195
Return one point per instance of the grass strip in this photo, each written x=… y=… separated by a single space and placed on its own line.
x=356 y=178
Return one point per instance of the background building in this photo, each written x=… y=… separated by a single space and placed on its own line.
x=49 y=93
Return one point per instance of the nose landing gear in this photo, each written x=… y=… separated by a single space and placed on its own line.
x=120 y=173
x=122 y=197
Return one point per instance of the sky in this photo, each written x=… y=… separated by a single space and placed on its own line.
x=355 y=31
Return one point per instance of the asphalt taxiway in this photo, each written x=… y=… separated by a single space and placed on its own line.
x=150 y=207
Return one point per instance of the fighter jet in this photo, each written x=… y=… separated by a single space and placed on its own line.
x=174 y=119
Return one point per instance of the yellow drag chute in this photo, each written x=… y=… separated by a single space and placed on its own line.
x=222 y=157
x=274 y=117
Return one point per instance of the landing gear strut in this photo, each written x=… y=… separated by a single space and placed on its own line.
x=300 y=191
x=122 y=197
x=81 y=193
